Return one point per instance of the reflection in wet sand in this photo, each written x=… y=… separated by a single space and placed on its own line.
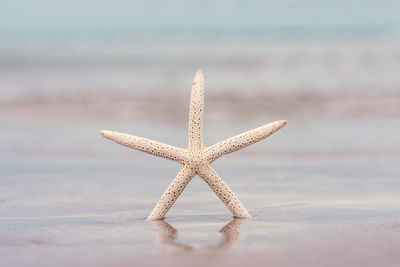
x=230 y=231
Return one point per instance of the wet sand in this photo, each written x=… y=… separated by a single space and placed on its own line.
x=323 y=191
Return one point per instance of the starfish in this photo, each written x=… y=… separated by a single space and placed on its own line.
x=196 y=158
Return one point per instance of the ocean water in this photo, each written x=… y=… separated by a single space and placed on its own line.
x=142 y=66
x=138 y=49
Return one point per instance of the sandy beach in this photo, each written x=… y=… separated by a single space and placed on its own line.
x=324 y=191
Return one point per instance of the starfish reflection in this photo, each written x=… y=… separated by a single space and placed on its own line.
x=230 y=232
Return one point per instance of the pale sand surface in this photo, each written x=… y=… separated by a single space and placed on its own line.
x=323 y=191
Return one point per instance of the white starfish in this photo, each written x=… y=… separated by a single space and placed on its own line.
x=196 y=159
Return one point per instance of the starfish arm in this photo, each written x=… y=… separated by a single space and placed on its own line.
x=242 y=140
x=222 y=190
x=196 y=113
x=172 y=193
x=147 y=145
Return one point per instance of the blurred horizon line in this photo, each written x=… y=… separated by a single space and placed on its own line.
x=260 y=32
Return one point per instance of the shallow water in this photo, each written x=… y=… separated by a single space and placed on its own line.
x=322 y=191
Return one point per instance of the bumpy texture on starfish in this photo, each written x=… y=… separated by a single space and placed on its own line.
x=196 y=159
